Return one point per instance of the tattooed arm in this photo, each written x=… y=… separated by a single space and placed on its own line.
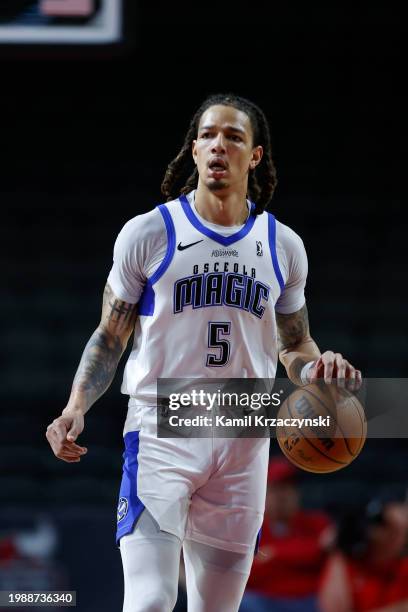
x=101 y=356
x=297 y=348
x=95 y=373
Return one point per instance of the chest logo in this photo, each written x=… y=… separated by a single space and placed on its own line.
x=259 y=250
x=182 y=247
x=217 y=289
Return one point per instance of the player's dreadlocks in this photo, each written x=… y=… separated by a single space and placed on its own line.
x=262 y=179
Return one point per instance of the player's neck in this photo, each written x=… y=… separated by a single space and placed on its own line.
x=231 y=209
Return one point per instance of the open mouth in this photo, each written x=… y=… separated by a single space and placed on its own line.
x=217 y=165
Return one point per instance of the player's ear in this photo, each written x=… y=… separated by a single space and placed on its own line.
x=256 y=157
x=193 y=150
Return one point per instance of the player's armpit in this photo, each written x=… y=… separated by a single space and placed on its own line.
x=296 y=346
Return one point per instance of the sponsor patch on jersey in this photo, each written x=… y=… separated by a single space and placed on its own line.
x=123 y=507
x=224 y=253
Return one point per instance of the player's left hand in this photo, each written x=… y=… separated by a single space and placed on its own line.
x=331 y=366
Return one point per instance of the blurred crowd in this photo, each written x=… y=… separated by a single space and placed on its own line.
x=310 y=562
x=307 y=560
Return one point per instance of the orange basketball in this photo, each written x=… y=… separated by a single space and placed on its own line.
x=333 y=431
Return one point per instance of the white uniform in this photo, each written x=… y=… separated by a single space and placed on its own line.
x=207 y=296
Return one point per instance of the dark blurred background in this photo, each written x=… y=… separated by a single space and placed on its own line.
x=87 y=132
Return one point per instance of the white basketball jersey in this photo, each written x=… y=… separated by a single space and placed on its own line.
x=209 y=308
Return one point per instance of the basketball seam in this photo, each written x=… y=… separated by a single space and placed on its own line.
x=304 y=466
x=315 y=447
x=363 y=425
x=338 y=424
x=299 y=463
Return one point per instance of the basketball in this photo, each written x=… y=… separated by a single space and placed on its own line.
x=333 y=431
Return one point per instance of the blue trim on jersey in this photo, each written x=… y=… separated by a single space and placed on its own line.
x=258 y=541
x=171 y=244
x=272 y=246
x=130 y=507
x=147 y=299
x=224 y=240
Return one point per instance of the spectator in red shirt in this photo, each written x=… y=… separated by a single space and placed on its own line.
x=8 y=550
x=286 y=571
x=368 y=571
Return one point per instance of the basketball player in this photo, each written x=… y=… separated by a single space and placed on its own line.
x=207 y=282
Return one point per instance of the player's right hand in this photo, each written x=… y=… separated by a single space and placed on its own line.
x=62 y=433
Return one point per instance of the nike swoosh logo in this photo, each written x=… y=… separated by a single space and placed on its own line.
x=181 y=247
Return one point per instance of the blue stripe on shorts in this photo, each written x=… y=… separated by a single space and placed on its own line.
x=129 y=506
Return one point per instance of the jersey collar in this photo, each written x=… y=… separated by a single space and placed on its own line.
x=224 y=240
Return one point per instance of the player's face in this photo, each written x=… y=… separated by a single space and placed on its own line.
x=224 y=151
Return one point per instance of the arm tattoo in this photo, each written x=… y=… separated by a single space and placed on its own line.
x=293 y=329
x=117 y=312
x=293 y=335
x=102 y=353
x=119 y=309
x=98 y=365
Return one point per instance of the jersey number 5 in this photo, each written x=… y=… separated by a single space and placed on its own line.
x=215 y=333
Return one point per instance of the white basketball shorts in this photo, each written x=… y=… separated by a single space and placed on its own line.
x=210 y=490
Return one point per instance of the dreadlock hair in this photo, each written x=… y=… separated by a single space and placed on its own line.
x=262 y=179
